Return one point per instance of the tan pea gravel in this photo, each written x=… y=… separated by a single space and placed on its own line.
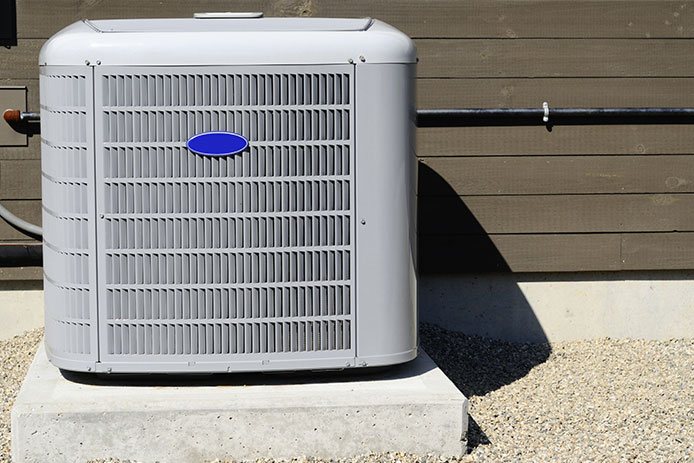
x=590 y=401
x=15 y=356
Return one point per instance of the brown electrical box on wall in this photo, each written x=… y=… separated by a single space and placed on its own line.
x=12 y=97
x=8 y=23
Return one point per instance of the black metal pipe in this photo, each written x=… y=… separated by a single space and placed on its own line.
x=30 y=116
x=482 y=117
x=21 y=255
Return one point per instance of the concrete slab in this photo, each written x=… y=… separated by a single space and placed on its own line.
x=66 y=418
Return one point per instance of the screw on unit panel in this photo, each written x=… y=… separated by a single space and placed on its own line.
x=109 y=370
x=350 y=61
x=362 y=59
x=98 y=62
x=363 y=221
x=86 y=61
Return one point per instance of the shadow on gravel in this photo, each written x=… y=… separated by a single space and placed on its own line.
x=478 y=365
x=463 y=289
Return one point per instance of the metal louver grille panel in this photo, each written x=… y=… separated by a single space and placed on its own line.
x=236 y=256
x=68 y=201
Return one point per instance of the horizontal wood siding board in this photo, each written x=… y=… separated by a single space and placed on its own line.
x=451 y=215
x=29 y=210
x=41 y=19
x=537 y=175
x=440 y=18
x=33 y=151
x=658 y=251
x=20 y=179
x=21 y=62
x=21 y=273
x=532 y=253
x=492 y=58
x=555 y=58
x=564 y=140
x=521 y=92
x=559 y=92
x=556 y=253
x=519 y=253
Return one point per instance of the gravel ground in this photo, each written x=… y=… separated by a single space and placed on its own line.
x=15 y=356
x=589 y=401
x=592 y=401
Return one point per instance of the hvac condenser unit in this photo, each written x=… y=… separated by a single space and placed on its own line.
x=228 y=194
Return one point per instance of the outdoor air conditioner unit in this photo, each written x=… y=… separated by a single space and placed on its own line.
x=228 y=193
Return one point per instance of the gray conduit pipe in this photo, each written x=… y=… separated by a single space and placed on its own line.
x=13 y=116
x=22 y=225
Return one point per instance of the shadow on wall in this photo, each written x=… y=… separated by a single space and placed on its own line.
x=476 y=364
x=468 y=301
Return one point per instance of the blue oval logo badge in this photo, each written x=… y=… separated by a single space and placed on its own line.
x=217 y=143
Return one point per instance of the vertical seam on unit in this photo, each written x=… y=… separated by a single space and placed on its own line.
x=355 y=215
x=95 y=216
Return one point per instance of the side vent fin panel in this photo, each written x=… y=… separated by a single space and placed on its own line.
x=67 y=168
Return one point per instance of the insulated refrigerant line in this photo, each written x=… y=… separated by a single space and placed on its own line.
x=15 y=116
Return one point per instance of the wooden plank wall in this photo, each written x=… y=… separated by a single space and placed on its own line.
x=491 y=199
